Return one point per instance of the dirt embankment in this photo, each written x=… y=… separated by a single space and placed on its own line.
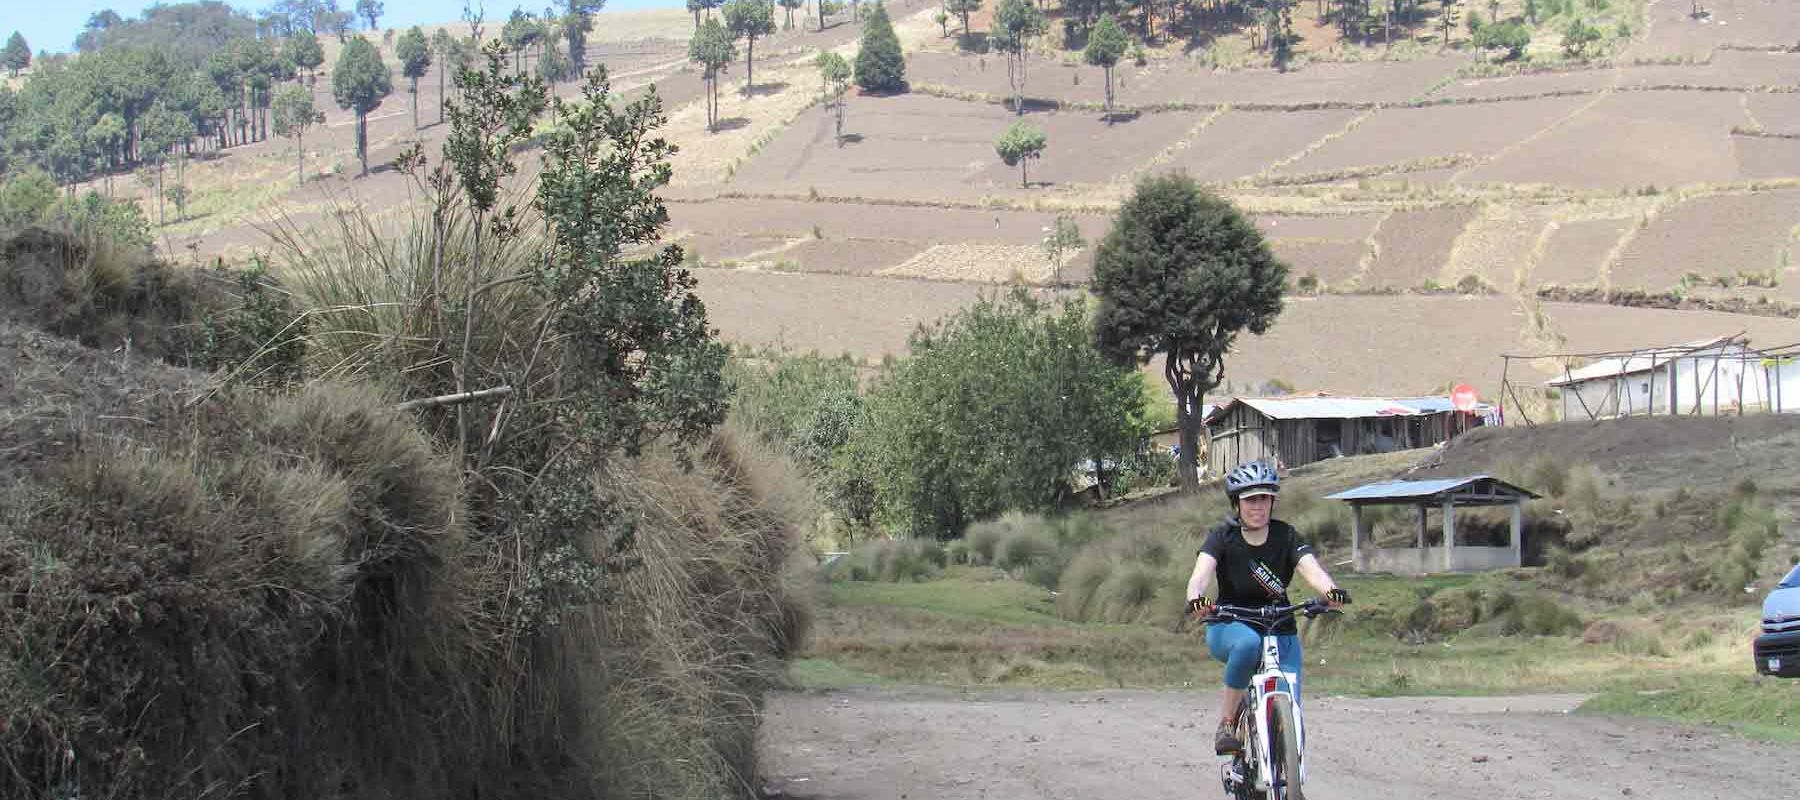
x=918 y=744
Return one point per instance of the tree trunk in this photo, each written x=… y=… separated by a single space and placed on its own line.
x=415 y=103
x=1187 y=418
x=161 y=219
x=1025 y=173
x=442 y=68
x=1109 y=96
x=300 y=160
x=749 y=68
x=362 y=140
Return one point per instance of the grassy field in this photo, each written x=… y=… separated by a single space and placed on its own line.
x=974 y=627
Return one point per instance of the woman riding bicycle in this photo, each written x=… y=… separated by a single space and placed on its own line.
x=1254 y=557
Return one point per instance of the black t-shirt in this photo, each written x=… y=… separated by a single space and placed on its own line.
x=1256 y=575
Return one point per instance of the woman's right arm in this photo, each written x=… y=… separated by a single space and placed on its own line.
x=1204 y=567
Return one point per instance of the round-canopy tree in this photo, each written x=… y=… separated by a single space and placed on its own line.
x=1018 y=146
x=414 y=53
x=1180 y=274
x=294 y=113
x=748 y=19
x=1105 y=46
x=304 y=52
x=712 y=49
x=359 y=81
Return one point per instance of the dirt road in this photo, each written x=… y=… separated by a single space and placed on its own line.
x=930 y=745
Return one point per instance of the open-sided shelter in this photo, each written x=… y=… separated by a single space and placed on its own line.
x=1446 y=494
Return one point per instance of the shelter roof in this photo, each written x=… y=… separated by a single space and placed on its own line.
x=1642 y=360
x=1327 y=407
x=1471 y=490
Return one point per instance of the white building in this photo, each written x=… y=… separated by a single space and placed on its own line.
x=1713 y=376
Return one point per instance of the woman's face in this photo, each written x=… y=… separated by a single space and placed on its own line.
x=1255 y=511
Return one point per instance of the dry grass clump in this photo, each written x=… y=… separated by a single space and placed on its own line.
x=892 y=560
x=281 y=595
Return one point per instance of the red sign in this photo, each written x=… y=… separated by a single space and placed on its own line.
x=1463 y=397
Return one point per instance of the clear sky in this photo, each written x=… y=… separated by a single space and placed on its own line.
x=54 y=27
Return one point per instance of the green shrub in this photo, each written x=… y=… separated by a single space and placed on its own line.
x=1024 y=549
x=1538 y=615
x=959 y=552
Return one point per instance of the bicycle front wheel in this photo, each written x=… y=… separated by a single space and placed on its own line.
x=1284 y=751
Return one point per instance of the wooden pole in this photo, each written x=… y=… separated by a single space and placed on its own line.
x=455 y=399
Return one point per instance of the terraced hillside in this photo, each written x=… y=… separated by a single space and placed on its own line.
x=1423 y=195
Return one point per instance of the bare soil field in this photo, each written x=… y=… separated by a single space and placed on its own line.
x=865 y=317
x=1241 y=144
x=1332 y=262
x=1775 y=113
x=916 y=147
x=1413 y=246
x=1760 y=158
x=1534 y=85
x=714 y=248
x=896 y=744
x=1182 y=81
x=851 y=256
x=1398 y=135
x=1735 y=22
x=1577 y=251
x=849 y=220
x=1630 y=139
x=1711 y=237
x=1597 y=328
x=1349 y=227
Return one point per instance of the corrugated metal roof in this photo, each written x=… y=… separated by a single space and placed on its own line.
x=1642 y=361
x=1345 y=407
x=1418 y=490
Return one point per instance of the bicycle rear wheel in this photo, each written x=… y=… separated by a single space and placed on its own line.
x=1284 y=751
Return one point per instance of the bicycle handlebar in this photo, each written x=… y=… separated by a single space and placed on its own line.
x=1268 y=614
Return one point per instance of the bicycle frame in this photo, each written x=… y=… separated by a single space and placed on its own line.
x=1251 y=770
x=1266 y=686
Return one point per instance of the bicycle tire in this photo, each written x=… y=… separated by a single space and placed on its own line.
x=1284 y=752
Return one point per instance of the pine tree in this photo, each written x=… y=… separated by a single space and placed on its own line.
x=880 y=65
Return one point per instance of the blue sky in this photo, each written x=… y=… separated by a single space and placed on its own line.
x=54 y=27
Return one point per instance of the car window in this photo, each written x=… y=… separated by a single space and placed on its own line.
x=1792 y=580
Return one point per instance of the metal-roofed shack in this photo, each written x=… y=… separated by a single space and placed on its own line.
x=1300 y=430
x=1447 y=495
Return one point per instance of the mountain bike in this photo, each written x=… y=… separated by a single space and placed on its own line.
x=1272 y=763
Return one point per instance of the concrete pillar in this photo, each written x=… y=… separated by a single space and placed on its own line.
x=1449 y=536
x=1518 y=534
x=1421 y=528
x=1356 y=532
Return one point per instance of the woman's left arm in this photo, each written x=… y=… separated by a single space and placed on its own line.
x=1314 y=573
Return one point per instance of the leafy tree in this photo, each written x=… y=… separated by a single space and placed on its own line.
x=639 y=359
x=1019 y=146
x=1181 y=274
x=1447 y=17
x=790 y=6
x=1578 y=37
x=359 y=82
x=520 y=33
x=1063 y=238
x=370 y=10
x=1016 y=23
x=963 y=8
x=748 y=19
x=578 y=20
x=712 y=49
x=446 y=48
x=497 y=113
x=294 y=113
x=108 y=136
x=834 y=76
x=993 y=411
x=335 y=20
x=16 y=55
x=1105 y=46
x=304 y=52
x=553 y=66
x=162 y=129
x=25 y=196
x=1508 y=36
x=414 y=53
x=880 y=66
